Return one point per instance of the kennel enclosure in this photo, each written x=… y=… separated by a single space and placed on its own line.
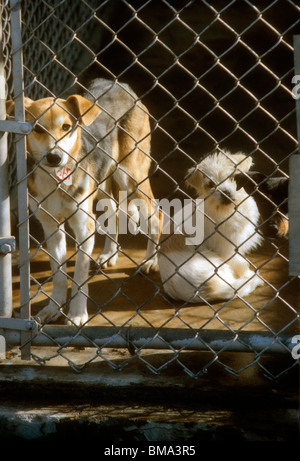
x=213 y=75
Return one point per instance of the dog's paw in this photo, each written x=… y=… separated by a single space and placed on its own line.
x=258 y=281
x=250 y=284
x=106 y=260
x=150 y=265
x=49 y=313
x=77 y=318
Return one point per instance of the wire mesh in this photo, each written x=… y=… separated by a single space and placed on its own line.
x=214 y=77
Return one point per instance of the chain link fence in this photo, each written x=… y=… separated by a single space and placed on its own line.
x=199 y=78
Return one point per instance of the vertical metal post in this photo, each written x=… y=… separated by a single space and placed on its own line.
x=294 y=191
x=5 y=257
x=294 y=184
x=18 y=79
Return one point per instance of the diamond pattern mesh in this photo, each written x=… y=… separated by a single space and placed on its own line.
x=213 y=76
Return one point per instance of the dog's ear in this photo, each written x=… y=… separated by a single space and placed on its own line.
x=10 y=105
x=194 y=178
x=242 y=161
x=84 y=110
x=249 y=181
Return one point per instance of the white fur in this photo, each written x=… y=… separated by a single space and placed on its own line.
x=197 y=277
x=49 y=207
x=63 y=146
x=66 y=145
x=218 y=269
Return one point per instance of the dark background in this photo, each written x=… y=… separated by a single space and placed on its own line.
x=167 y=75
x=208 y=81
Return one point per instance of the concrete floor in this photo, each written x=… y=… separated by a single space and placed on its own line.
x=152 y=395
x=124 y=296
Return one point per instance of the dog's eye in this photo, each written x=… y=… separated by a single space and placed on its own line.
x=66 y=127
x=39 y=129
x=211 y=184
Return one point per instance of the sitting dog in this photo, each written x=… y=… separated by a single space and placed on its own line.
x=217 y=268
x=78 y=147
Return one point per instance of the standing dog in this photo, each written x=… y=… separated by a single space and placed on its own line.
x=218 y=268
x=78 y=147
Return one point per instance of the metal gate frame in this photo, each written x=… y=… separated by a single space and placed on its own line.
x=25 y=332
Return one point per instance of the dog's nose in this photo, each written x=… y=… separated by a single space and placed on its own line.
x=53 y=159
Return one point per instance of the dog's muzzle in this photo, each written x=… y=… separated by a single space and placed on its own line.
x=53 y=159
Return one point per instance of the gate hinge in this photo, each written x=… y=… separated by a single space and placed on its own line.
x=7 y=245
x=12 y=126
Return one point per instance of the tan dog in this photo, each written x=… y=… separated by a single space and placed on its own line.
x=79 y=147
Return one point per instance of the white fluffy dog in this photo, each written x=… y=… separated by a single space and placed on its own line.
x=218 y=268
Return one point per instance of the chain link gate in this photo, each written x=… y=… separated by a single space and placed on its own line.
x=214 y=76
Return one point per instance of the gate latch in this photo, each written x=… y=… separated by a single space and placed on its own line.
x=13 y=126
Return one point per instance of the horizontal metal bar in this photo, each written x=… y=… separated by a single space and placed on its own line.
x=17 y=324
x=150 y=338
x=12 y=126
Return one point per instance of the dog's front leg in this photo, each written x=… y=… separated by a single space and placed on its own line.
x=109 y=255
x=56 y=245
x=83 y=226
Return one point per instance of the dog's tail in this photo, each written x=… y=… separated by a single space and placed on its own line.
x=202 y=277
